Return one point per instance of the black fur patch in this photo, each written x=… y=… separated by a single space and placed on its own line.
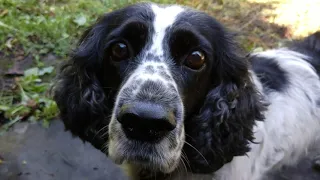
x=271 y=75
x=310 y=46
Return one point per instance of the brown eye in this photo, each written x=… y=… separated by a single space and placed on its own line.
x=195 y=60
x=119 y=51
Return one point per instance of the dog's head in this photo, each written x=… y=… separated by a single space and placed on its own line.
x=151 y=85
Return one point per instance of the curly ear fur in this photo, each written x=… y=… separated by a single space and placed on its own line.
x=224 y=126
x=86 y=86
x=78 y=91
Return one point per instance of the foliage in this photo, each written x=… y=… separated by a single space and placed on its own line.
x=29 y=100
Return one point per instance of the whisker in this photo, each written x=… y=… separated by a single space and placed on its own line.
x=105 y=147
x=103 y=128
x=179 y=174
x=184 y=156
x=184 y=165
x=104 y=134
x=197 y=151
x=100 y=131
x=190 y=136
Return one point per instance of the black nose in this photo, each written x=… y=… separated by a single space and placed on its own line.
x=146 y=121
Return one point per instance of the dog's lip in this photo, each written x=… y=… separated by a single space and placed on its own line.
x=138 y=155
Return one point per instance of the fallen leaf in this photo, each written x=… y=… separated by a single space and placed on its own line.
x=4 y=108
x=9 y=43
x=46 y=70
x=31 y=71
x=80 y=20
x=31 y=103
x=4 y=12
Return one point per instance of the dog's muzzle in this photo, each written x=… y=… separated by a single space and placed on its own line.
x=146 y=127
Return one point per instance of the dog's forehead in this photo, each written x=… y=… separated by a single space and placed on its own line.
x=164 y=17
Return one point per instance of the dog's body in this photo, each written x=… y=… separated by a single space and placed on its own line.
x=164 y=89
x=291 y=85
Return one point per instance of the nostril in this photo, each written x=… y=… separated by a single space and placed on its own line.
x=146 y=122
x=141 y=134
x=135 y=121
x=128 y=119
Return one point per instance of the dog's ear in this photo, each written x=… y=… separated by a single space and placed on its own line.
x=87 y=83
x=77 y=90
x=224 y=126
x=307 y=45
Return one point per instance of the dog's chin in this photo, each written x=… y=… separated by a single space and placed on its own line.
x=150 y=157
x=154 y=157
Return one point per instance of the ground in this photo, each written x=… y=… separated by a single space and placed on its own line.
x=36 y=35
x=30 y=152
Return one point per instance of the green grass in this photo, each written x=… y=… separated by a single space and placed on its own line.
x=40 y=27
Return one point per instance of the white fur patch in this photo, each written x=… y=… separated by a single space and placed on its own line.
x=164 y=18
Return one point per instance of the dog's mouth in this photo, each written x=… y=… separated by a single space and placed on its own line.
x=161 y=156
x=146 y=156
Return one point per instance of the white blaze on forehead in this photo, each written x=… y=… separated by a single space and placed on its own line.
x=164 y=18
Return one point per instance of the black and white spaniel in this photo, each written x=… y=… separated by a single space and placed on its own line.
x=165 y=91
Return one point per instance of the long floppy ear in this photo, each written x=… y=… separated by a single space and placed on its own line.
x=86 y=86
x=224 y=126
x=78 y=91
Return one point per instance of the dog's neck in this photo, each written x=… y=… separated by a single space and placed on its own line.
x=138 y=173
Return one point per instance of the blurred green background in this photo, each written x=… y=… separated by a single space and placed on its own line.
x=35 y=35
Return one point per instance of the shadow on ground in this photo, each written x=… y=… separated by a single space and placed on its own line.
x=31 y=152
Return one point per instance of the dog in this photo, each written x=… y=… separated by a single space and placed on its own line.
x=167 y=92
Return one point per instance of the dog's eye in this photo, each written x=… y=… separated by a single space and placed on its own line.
x=119 y=51
x=195 y=60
